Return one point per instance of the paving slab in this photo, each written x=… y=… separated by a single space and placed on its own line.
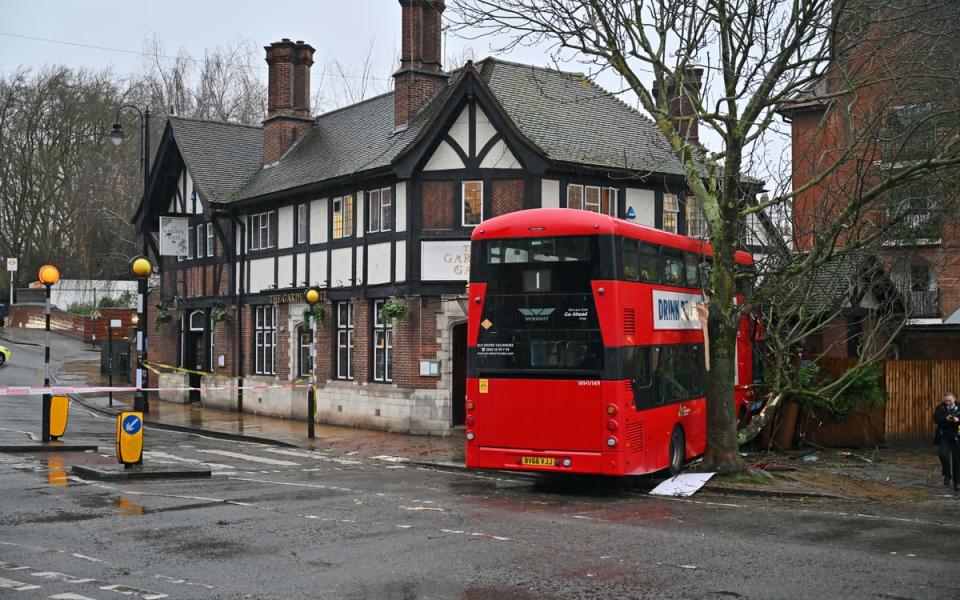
x=120 y=472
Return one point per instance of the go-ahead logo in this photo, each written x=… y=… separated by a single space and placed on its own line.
x=536 y=314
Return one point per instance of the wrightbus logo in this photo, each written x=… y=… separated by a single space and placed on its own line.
x=536 y=314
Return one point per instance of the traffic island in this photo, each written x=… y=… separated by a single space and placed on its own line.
x=30 y=447
x=123 y=473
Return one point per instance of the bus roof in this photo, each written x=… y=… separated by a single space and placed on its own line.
x=538 y=222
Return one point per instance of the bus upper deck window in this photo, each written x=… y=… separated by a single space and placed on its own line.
x=494 y=253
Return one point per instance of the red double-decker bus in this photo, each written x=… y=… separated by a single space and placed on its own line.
x=586 y=353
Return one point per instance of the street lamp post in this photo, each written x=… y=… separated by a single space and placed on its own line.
x=140 y=402
x=141 y=268
x=49 y=275
x=312 y=296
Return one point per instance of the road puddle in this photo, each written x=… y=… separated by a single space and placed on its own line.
x=127 y=508
x=57 y=473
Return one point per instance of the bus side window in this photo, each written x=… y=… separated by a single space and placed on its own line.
x=643 y=380
x=672 y=267
x=631 y=260
x=675 y=376
x=649 y=259
x=691 y=262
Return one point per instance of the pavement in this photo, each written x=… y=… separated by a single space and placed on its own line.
x=873 y=474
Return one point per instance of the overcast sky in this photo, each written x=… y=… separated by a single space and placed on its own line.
x=35 y=33
x=339 y=30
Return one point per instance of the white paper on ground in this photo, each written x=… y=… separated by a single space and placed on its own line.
x=685 y=484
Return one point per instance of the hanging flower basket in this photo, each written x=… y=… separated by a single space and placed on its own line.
x=163 y=316
x=393 y=311
x=220 y=315
x=318 y=313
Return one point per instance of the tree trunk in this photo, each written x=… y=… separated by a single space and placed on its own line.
x=722 y=455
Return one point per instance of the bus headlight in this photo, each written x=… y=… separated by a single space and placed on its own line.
x=470 y=436
x=611 y=441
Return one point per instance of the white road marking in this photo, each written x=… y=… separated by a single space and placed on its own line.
x=422 y=508
x=251 y=458
x=10 y=584
x=85 y=557
x=70 y=596
x=156 y=455
x=132 y=591
x=394 y=459
x=295 y=484
x=54 y=576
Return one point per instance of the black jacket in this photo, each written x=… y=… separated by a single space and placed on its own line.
x=940 y=415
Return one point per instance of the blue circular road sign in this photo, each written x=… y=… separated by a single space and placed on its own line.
x=131 y=425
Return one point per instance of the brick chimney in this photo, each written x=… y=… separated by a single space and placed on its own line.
x=678 y=104
x=421 y=73
x=288 y=96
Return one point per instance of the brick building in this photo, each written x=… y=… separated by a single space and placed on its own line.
x=888 y=102
x=376 y=202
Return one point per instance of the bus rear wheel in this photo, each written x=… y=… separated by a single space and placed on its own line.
x=678 y=454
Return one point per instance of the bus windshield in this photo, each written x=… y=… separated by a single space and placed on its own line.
x=539 y=314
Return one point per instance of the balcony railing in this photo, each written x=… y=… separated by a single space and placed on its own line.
x=923 y=304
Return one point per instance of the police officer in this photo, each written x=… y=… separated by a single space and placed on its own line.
x=947 y=418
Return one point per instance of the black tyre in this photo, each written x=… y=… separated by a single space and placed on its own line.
x=678 y=450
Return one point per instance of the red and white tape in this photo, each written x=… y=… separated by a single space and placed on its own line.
x=37 y=391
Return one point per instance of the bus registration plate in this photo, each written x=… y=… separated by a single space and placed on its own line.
x=538 y=461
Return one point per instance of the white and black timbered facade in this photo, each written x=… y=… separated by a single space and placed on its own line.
x=374 y=204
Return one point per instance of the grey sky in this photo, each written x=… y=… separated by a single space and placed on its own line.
x=339 y=30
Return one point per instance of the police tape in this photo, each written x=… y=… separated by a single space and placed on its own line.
x=162 y=369
x=37 y=391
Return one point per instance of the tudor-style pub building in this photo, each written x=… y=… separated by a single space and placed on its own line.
x=374 y=203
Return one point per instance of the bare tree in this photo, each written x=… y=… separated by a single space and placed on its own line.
x=730 y=65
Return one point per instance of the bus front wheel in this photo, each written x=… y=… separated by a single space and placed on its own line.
x=678 y=452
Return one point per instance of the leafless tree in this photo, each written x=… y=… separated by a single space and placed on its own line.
x=755 y=57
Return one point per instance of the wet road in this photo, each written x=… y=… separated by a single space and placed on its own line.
x=288 y=523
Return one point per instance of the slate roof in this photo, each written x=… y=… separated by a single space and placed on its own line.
x=219 y=155
x=831 y=286
x=568 y=117
x=574 y=120
x=356 y=138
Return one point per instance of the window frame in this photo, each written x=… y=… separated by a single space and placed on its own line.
x=211 y=242
x=303 y=233
x=265 y=339
x=604 y=194
x=344 y=336
x=674 y=211
x=191 y=242
x=201 y=240
x=693 y=211
x=345 y=214
x=382 y=330
x=260 y=230
x=463 y=202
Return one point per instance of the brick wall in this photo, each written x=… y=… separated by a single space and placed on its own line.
x=414 y=339
x=507 y=196
x=437 y=204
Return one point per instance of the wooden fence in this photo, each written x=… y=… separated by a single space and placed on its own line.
x=913 y=387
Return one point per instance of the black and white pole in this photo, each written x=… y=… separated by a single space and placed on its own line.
x=141 y=268
x=49 y=275
x=312 y=296
x=140 y=403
